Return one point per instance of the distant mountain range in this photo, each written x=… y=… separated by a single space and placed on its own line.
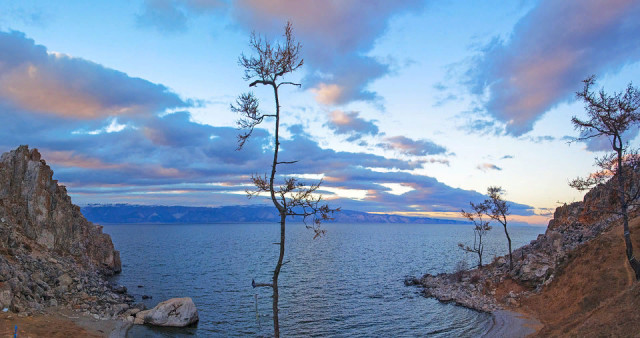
x=129 y=213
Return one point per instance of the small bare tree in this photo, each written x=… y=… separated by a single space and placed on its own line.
x=611 y=116
x=292 y=198
x=498 y=211
x=481 y=227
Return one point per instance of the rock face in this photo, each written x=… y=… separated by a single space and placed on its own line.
x=534 y=265
x=50 y=255
x=177 y=312
x=42 y=211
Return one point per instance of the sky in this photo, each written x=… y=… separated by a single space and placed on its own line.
x=408 y=107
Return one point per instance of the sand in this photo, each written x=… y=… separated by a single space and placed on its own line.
x=512 y=324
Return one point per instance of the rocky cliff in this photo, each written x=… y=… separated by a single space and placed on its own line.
x=49 y=253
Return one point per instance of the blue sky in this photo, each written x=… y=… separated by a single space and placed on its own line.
x=413 y=107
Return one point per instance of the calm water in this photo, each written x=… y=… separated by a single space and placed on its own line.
x=348 y=283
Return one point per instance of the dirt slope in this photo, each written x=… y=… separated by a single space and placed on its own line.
x=594 y=295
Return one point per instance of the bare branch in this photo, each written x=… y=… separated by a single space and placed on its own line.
x=289 y=83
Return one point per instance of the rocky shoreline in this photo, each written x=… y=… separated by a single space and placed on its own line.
x=52 y=258
x=494 y=287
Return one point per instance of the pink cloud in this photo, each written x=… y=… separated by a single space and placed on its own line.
x=55 y=84
x=350 y=123
x=67 y=158
x=336 y=36
x=552 y=48
x=488 y=166
x=410 y=146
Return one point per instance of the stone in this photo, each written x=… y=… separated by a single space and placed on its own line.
x=120 y=289
x=177 y=312
x=139 y=320
x=139 y=306
x=120 y=308
x=65 y=280
x=5 y=297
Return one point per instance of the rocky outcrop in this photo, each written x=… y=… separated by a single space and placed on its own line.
x=50 y=255
x=535 y=265
x=33 y=204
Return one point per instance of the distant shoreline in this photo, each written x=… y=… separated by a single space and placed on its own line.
x=157 y=214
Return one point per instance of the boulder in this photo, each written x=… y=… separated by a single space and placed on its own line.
x=178 y=312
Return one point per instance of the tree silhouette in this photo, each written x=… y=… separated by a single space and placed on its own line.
x=481 y=227
x=267 y=66
x=498 y=211
x=611 y=116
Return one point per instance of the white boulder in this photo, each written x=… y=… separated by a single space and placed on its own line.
x=177 y=312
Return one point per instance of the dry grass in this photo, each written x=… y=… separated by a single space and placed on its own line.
x=595 y=295
x=57 y=323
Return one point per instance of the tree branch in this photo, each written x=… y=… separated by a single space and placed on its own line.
x=290 y=83
x=257 y=285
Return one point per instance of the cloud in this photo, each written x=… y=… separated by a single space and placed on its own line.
x=336 y=35
x=439 y=160
x=603 y=143
x=172 y=16
x=178 y=163
x=600 y=143
x=409 y=146
x=132 y=168
x=36 y=80
x=487 y=166
x=538 y=139
x=69 y=158
x=350 y=123
x=483 y=127
x=151 y=157
x=164 y=15
x=552 y=48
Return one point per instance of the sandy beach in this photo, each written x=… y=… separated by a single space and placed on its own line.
x=512 y=324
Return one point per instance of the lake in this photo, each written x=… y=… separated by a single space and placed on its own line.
x=347 y=283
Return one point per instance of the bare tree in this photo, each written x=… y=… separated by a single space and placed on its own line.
x=481 y=227
x=292 y=198
x=498 y=211
x=611 y=116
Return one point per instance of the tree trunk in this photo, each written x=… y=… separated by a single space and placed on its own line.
x=276 y=273
x=633 y=262
x=283 y=215
x=509 y=241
